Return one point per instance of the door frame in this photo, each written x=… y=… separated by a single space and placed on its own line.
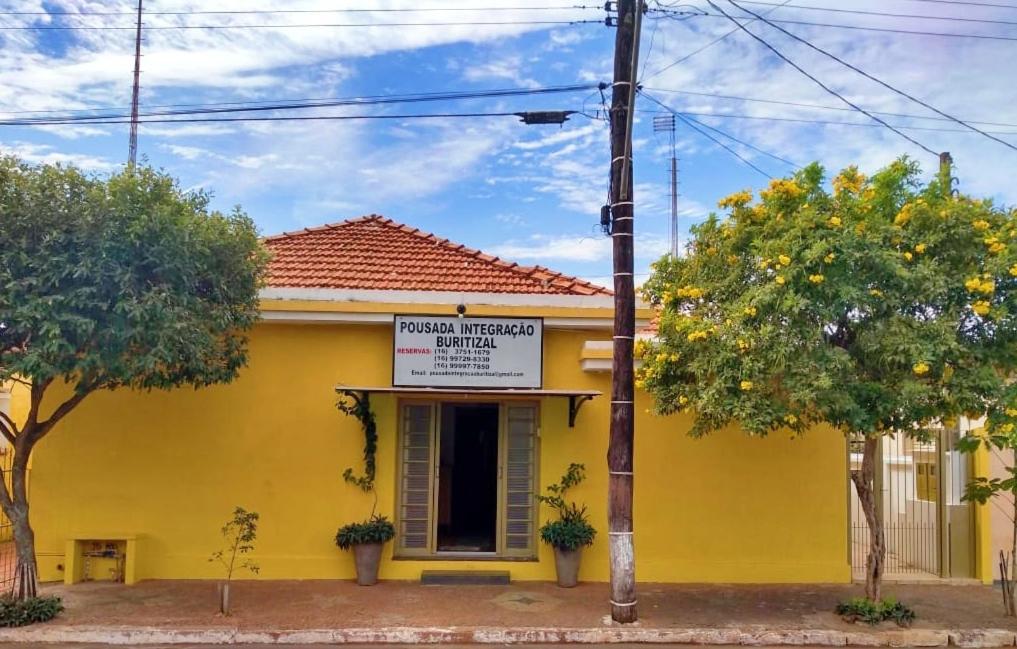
x=431 y=553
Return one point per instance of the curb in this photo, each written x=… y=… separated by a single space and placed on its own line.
x=753 y=636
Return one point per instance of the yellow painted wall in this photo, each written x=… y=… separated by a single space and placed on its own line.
x=170 y=466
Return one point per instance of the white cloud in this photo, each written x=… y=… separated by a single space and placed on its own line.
x=589 y=248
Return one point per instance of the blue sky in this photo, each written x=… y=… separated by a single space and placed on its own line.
x=528 y=193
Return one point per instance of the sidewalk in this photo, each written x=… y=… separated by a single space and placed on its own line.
x=330 y=612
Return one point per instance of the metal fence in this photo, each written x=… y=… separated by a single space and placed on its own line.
x=8 y=560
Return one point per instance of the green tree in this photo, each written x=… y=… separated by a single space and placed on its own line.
x=875 y=309
x=112 y=282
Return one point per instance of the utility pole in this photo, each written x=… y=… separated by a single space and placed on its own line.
x=666 y=124
x=619 y=451
x=945 y=172
x=132 y=155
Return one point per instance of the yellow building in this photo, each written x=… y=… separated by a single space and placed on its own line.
x=487 y=380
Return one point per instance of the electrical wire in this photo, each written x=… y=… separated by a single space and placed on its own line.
x=706 y=134
x=296 y=11
x=338 y=101
x=817 y=81
x=296 y=25
x=742 y=142
x=276 y=118
x=688 y=56
x=355 y=101
x=773 y=118
x=969 y=4
x=863 y=12
x=820 y=106
x=885 y=30
x=872 y=78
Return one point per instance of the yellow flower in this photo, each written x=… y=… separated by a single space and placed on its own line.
x=943 y=214
x=779 y=279
x=987 y=287
x=981 y=307
x=903 y=216
x=661 y=357
x=816 y=279
x=908 y=255
x=1007 y=428
x=750 y=311
x=732 y=259
x=1011 y=412
x=997 y=247
x=875 y=292
x=743 y=345
x=860 y=228
x=764 y=263
x=1013 y=270
x=690 y=292
x=639 y=349
x=673 y=357
x=699 y=334
x=834 y=221
x=920 y=249
x=784 y=259
x=920 y=368
x=848 y=180
x=829 y=258
x=973 y=285
x=791 y=419
x=683 y=399
x=980 y=225
x=640 y=384
x=746 y=386
x=782 y=189
x=738 y=199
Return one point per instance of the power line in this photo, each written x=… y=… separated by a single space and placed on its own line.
x=355 y=101
x=872 y=78
x=816 y=80
x=820 y=106
x=863 y=12
x=342 y=101
x=742 y=142
x=970 y=4
x=275 y=118
x=705 y=134
x=773 y=118
x=299 y=11
x=704 y=47
x=298 y=25
x=885 y=30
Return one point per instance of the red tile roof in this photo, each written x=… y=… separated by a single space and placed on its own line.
x=372 y=252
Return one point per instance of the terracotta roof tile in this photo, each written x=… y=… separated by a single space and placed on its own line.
x=372 y=252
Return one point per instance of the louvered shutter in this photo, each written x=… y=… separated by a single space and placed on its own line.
x=416 y=450
x=520 y=483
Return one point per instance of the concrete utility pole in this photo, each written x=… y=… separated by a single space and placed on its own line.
x=945 y=172
x=619 y=452
x=132 y=155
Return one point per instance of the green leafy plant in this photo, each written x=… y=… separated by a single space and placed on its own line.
x=860 y=609
x=21 y=612
x=377 y=529
x=359 y=407
x=572 y=530
x=870 y=306
x=240 y=533
x=999 y=436
x=108 y=282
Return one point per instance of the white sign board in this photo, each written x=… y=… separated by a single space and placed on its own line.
x=453 y=352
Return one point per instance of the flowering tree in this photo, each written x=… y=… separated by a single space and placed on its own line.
x=106 y=283
x=874 y=309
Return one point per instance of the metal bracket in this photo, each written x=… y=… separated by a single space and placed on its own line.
x=575 y=403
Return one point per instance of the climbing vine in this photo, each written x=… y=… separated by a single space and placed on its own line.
x=360 y=407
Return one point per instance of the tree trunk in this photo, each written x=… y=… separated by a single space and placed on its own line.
x=1011 y=584
x=865 y=486
x=26 y=576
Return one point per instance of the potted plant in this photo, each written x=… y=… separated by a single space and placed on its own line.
x=572 y=531
x=366 y=539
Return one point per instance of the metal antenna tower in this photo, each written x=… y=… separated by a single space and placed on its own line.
x=132 y=155
x=666 y=124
